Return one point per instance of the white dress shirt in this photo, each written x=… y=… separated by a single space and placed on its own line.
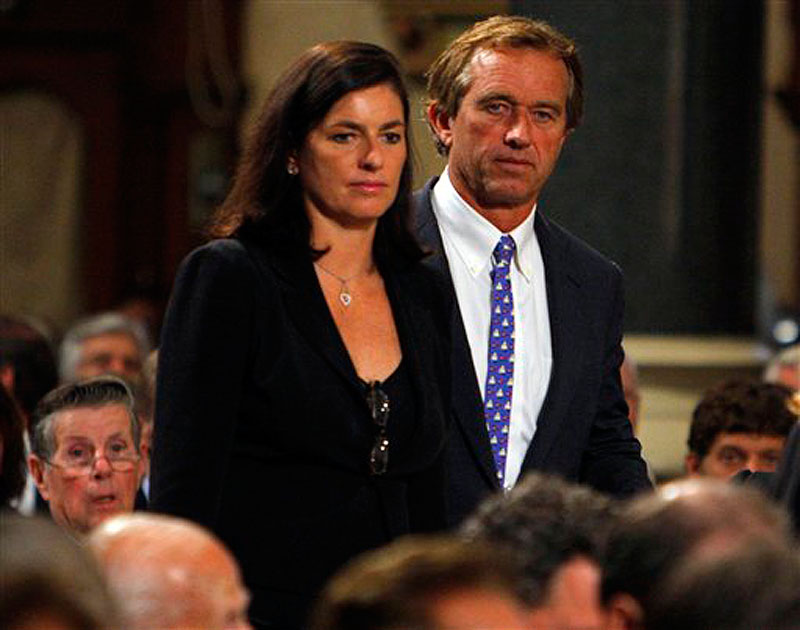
x=469 y=241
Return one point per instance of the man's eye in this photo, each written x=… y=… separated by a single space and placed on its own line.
x=118 y=448
x=77 y=453
x=496 y=107
x=543 y=116
x=341 y=138
x=393 y=137
x=731 y=457
x=771 y=459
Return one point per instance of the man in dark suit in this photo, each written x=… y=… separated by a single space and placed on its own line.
x=536 y=336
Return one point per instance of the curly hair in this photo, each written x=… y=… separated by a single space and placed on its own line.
x=740 y=406
x=547 y=522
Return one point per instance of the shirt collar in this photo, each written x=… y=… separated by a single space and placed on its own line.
x=473 y=237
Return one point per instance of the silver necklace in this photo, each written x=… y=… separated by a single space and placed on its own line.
x=345 y=297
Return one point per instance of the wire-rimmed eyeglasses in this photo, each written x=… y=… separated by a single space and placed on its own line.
x=83 y=463
x=378 y=403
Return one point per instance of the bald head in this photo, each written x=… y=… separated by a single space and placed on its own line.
x=658 y=531
x=170 y=572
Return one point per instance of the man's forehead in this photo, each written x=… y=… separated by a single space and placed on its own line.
x=491 y=67
x=747 y=439
x=490 y=55
x=95 y=421
x=110 y=339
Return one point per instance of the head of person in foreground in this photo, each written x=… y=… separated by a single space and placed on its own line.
x=169 y=573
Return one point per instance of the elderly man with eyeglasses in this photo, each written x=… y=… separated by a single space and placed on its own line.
x=85 y=456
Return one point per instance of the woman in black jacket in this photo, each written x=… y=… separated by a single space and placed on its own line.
x=301 y=377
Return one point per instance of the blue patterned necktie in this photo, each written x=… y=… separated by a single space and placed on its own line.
x=500 y=366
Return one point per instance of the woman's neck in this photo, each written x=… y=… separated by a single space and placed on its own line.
x=349 y=250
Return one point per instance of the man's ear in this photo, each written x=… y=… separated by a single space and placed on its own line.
x=624 y=613
x=36 y=469
x=144 y=461
x=440 y=122
x=693 y=461
x=564 y=138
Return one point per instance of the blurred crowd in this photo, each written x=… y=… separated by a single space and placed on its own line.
x=715 y=550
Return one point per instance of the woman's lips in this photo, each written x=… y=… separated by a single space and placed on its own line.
x=369 y=186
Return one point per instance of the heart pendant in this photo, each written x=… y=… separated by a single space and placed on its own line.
x=345 y=298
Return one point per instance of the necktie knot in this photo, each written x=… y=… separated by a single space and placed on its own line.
x=504 y=251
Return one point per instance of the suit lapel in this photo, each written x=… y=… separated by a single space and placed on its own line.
x=567 y=322
x=306 y=306
x=466 y=398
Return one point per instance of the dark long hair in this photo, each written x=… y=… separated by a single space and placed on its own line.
x=12 y=473
x=265 y=202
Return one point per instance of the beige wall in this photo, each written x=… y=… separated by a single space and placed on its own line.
x=780 y=167
x=41 y=175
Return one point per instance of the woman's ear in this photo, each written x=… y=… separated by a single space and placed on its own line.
x=291 y=164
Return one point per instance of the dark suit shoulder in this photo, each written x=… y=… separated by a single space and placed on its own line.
x=219 y=254
x=228 y=262
x=423 y=210
x=581 y=257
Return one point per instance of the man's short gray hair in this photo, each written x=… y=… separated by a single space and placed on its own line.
x=94 y=392
x=108 y=323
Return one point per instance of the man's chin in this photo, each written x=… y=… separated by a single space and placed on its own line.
x=505 y=190
x=507 y=198
x=103 y=511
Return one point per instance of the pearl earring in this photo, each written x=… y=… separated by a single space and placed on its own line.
x=292 y=169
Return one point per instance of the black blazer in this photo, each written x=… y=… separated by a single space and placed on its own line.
x=583 y=432
x=262 y=431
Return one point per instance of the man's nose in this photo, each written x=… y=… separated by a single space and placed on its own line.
x=118 y=366
x=753 y=462
x=518 y=135
x=101 y=467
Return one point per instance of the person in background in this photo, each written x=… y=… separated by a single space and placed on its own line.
x=301 y=388
x=425 y=583
x=105 y=343
x=27 y=363
x=28 y=371
x=12 y=450
x=784 y=368
x=754 y=587
x=170 y=574
x=536 y=333
x=656 y=532
x=85 y=456
x=739 y=425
